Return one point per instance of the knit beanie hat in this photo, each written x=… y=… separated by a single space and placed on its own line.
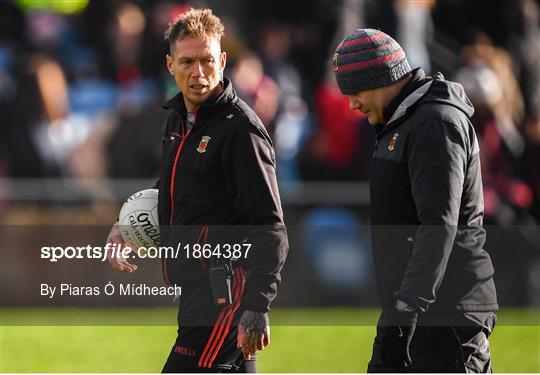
x=368 y=59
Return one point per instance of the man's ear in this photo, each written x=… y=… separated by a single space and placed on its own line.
x=222 y=60
x=169 y=64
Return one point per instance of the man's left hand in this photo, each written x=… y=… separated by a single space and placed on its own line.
x=253 y=333
x=398 y=331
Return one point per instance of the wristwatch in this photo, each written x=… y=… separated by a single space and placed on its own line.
x=402 y=306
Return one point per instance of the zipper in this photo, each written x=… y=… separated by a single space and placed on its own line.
x=183 y=138
x=410 y=245
x=173 y=174
x=375 y=149
x=203 y=239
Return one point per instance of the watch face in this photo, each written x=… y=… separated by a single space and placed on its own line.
x=402 y=306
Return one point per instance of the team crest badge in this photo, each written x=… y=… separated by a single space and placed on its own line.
x=335 y=61
x=203 y=144
x=393 y=141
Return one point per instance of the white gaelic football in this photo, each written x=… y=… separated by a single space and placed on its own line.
x=138 y=219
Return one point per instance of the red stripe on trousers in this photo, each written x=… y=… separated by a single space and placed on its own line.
x=219 y=325
x=230 y=319
x=224 y=329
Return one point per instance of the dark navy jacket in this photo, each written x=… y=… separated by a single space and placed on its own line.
x=427 y=202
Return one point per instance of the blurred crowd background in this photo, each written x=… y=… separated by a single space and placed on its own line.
x=82 y=81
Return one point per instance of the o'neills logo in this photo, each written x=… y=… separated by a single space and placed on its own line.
x=203 y=144
x=335 y=61
x=144 y=222
x=190 y=352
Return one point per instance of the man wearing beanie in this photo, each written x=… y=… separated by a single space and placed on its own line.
x=435 y=280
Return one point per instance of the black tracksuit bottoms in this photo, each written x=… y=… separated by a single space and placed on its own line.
x=455 y=343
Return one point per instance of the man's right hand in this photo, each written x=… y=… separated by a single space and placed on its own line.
x=253 y=333
x=116 y=260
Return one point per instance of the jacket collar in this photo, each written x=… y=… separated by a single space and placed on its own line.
x=409 y=95
x=176 y=103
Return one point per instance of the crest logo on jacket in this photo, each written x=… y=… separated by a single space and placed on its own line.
x=393 y=141
x=203 y=144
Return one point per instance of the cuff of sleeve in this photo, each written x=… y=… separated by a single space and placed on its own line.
x=418 y=303
x=257 y=301
x=397 y=318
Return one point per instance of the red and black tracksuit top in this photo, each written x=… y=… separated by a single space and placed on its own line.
x=218 y=185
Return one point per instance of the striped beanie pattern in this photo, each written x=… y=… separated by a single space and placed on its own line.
x=368 y=59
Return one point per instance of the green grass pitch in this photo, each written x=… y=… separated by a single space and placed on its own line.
x=342 y=344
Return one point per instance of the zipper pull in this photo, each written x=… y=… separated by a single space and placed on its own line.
x=177 y=135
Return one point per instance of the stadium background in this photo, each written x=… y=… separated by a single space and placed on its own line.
x=80 y=87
